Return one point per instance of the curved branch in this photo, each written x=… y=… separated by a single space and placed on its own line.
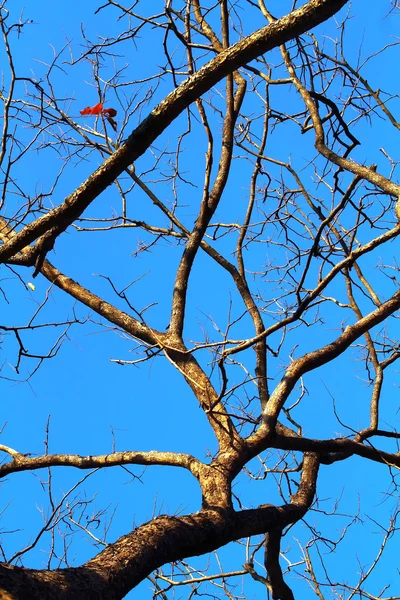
x=367 y=173
x=317 y=358
x=331 y=451
x=23 y=462
x=124 y=564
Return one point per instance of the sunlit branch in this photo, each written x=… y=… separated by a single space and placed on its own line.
x=24 y=462
x=58 y=219
x=323 y=355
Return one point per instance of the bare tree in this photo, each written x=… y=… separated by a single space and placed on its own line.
x=242 y=158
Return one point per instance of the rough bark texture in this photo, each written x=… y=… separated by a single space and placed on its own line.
x=297 y=22
x=125 y=563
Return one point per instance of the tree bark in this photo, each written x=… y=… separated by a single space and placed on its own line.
x=124 y=564
x=238 y=55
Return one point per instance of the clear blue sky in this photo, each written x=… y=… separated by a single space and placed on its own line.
x=89 y=397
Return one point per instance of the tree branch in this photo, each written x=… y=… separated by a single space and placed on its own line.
x=23 y=462
x=125 y=563
x=60 y=218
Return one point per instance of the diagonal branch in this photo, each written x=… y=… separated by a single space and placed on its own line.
x=311 y=361
x=347 y=262
x=116 y=316
x=322 y=356
x=265 y=39
x=174 y=350
x=124 y=564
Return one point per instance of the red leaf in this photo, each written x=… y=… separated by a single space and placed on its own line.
x=95 y=110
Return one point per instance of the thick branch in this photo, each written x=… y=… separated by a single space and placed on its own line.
x=304 y=497
x=229 y=60
x=103 y=308
x=336 y=449
x=124 y=564
x=22 y=462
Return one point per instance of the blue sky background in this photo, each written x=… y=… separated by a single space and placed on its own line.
x=89 y=397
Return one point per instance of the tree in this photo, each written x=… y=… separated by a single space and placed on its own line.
x=254 y=157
